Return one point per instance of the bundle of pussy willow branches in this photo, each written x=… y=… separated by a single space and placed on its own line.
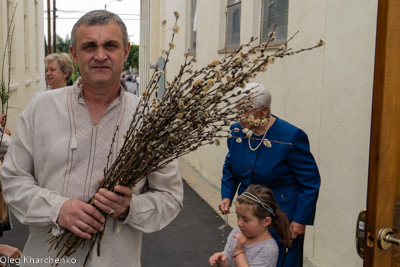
x=194 y=111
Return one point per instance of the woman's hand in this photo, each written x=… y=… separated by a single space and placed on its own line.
x=296 y=229
x=224 y=206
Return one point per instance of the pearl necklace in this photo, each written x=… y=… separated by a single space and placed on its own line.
x=262 y=139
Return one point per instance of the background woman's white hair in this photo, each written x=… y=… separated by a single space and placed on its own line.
x=259 y=95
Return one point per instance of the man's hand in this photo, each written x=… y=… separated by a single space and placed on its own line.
x=296 y=229
x=224 y=206
x=117 y=205
x=80 y=218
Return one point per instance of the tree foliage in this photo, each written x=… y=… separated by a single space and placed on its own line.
x=133 y=58
x=63 y=46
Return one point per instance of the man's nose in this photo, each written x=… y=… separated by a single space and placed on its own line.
x=100 y=54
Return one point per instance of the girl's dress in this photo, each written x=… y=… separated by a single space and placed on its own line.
x=262 y=254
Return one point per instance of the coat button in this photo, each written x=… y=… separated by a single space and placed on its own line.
x=283 y=197
x=249 y=168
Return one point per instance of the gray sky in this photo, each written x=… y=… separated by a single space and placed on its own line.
x=69 y=11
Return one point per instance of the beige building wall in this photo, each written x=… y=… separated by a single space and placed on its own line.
x=327 y=92
x=27 y=69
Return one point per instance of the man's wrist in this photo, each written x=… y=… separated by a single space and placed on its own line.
x=124 y=214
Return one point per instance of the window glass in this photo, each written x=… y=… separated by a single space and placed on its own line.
x=193 y=25
x=233 y=24
x=275 y=11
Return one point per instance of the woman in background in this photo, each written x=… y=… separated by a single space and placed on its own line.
x=267 y=150
x=59 y=69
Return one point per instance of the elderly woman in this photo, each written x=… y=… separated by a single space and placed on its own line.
x=59 y=69
x=269 y=151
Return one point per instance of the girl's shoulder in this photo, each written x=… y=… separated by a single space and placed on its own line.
x=267 y=243
x=264 y=253
x=270 y=242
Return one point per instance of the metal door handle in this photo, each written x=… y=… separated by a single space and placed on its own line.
x=393 y=240
x=386 y=239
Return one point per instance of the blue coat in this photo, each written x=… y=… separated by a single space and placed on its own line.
x=287 y=168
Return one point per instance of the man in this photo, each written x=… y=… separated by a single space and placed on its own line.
x=60 y=150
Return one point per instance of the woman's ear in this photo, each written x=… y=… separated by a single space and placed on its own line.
x=265 y=111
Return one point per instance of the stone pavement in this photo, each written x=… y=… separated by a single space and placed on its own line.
x=189 y=240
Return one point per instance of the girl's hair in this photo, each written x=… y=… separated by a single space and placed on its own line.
x=263 y=204
x=3 y=207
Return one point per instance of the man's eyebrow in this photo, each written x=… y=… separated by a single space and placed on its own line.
x=88 y=43
x=113 y=42
x=94 y=43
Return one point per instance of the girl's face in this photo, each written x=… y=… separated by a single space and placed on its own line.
x=251 y=226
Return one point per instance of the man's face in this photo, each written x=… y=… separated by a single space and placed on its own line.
x=100 y=54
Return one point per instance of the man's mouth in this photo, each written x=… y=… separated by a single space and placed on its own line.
x=100 y=67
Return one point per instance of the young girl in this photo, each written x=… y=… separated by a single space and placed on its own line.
x=252 y=244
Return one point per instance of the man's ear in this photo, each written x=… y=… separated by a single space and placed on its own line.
x=73 y=53
x=126 y=51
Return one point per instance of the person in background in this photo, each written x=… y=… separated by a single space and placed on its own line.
x=251 y=244
x=267 y=150
x=59 y=69
x=5 y=138
x=6 y=252
x=62 y=145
